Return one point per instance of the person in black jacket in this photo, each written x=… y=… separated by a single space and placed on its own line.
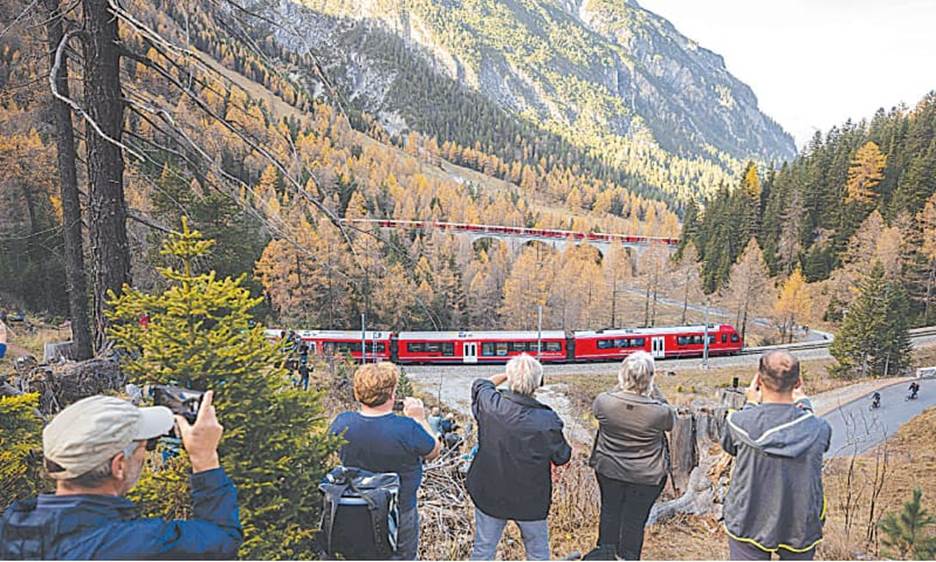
x=519 y=439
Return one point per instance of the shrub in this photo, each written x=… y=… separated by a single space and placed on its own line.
x=275 y=444
x=20 y=448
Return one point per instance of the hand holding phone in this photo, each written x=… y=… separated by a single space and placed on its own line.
x=753 y=392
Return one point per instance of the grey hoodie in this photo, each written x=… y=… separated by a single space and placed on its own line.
x=775 y=499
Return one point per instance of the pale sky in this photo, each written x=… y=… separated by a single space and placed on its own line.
x=814 y=63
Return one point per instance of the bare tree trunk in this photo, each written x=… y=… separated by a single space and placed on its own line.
x=929 y=292
x=685 y=302
x=71 y=206
x=110 y=251
x=647 y=305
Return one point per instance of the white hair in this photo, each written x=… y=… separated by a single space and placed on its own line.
x=98 y=475
x=524 y=374
x=636 y=373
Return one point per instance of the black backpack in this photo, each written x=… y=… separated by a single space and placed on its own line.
x=360 y=515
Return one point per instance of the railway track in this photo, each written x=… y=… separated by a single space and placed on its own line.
x=804 y=350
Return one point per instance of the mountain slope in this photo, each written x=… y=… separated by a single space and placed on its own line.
x=609 y=78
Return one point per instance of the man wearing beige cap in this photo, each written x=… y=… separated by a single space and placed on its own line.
x=94 y=450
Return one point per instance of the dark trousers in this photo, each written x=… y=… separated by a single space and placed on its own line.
x=738 y=550
x=625 y=508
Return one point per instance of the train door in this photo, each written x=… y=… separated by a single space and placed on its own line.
x=470 y=352
x=658 y=347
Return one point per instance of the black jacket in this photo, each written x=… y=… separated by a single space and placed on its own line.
x=518 y=439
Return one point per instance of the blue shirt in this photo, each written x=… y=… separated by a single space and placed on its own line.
x=387 y=443
x=2 y=350
x=98 y=527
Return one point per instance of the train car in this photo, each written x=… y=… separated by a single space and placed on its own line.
x=343 y=342
x=478 y=347
x=662 y=343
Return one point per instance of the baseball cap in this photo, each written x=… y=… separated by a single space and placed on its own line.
x=91 y=431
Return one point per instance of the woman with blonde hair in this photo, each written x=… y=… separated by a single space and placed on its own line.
x=378 y=440
x=630 y=457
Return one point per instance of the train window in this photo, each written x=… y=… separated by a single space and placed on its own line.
x=518 y=346
x=683 y=340
x=620 y=343
x=724 y=338
x=553 y=346
x=487 y=349
x=735 y=338
x=639 y=342
x=433 y=347
x=448 y=349
x=711 y=339
x=605 y=344
x=415 y=347
x=502 y=348
x=370 y=347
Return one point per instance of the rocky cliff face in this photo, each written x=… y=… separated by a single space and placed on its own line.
x=606 y=75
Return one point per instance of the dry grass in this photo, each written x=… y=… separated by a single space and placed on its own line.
x=911 y=463
x=30 y=337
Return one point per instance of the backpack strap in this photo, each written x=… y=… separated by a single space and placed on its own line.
x=375 y=499
x=333 y=493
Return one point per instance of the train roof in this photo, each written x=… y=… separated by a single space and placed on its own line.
x=651 y=331
x=333 y=334
x=468 y=335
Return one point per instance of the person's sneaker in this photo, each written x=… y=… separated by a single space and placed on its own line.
x=602 y=552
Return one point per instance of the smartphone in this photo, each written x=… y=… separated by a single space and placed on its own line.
x=398 y=405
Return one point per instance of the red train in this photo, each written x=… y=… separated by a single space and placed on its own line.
x=498 y=347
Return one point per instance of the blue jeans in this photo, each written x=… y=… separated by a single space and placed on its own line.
x=488 y=531
x=408 y=535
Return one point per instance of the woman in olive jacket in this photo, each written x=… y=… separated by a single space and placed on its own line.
x=630 y=456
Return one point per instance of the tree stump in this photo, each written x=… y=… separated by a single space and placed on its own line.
x=684 y=455
x=61 y=384
x=56 y=351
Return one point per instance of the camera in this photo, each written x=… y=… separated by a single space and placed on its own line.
x=398 y=405
x=182 y=401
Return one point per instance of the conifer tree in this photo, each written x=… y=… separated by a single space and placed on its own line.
x=874 y=339
x=927 y=222
x=792 y=305
x=20 y=448
x=748 y=283
x=906 y=534
x=201 y=336
x=864 y=174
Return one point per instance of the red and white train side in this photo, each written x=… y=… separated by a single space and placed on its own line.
x=478 y=347
x=378 y=345
x=499 y=346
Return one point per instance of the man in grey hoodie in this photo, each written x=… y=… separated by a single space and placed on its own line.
x=775 y=503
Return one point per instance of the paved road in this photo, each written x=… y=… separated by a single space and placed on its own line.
x=856 y=428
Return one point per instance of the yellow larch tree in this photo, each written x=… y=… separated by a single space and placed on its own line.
x=865 y=173
x=792 y=304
